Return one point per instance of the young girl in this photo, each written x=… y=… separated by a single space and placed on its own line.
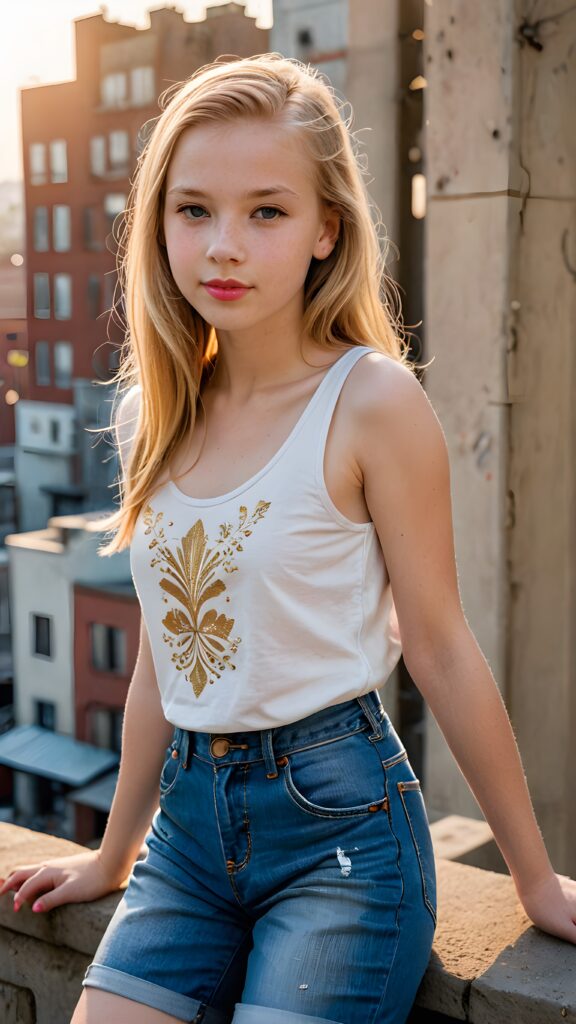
x=284 y=474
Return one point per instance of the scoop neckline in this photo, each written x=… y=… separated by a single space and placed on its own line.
x=229 y=495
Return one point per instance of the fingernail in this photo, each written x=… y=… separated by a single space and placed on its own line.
x=16 y=906
x=37 y=906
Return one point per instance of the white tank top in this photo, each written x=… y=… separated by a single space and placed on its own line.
x=265 y=604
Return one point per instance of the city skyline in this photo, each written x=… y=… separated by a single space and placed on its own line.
x=52 y=59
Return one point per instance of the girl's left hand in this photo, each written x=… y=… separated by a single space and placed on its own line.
x=551 y=905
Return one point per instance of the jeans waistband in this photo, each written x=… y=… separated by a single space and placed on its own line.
x=334 y=722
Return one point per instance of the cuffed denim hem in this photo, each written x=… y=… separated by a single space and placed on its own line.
x=122 y=984
x=247 y=1013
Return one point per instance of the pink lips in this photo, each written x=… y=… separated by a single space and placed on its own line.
x=227 y=291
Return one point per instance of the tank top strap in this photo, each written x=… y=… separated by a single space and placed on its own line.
x=312 y=440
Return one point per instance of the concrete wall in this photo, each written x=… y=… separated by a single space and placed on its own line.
x=372 y=89
x=541 y=374
x=316 y=32
x=501 y=304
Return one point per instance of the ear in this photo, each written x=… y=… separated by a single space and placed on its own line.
x=328 y=234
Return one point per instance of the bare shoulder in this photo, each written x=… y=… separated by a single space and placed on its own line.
x=388 y=402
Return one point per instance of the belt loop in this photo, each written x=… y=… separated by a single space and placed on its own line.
x=268 y=754
x=373 y=714
x=183 y=746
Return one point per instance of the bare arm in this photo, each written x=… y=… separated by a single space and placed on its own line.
x=93 y=873
x=145 y=731
x=403 y=460
x=145 y=735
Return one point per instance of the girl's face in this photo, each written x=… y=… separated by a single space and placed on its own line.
x=242 y=220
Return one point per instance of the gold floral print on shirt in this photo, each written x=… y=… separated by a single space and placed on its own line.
x=202 y=644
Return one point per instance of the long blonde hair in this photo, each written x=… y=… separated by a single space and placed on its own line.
x=168 y=345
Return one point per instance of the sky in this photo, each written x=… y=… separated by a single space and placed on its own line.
x=36 y=47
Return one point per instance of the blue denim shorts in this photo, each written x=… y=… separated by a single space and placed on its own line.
x=289 y=877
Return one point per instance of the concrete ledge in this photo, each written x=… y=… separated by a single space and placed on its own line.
x=489 y=963
x=17 y=1005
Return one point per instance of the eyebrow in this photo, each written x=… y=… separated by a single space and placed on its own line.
x=187 y=190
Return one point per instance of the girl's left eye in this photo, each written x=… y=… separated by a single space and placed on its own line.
x=270 y=209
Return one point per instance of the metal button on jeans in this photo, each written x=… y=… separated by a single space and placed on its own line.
x=220 y=746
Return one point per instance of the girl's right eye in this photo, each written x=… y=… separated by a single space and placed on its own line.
x=194 y=209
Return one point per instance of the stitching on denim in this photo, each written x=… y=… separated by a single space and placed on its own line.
x=316 y=810
x=217 y=820
x=400 y=786
x=246 y=821
x=377 y=1014
x=395 y=759
x=164 y=791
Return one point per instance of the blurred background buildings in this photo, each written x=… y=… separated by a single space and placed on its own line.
x=462 y=112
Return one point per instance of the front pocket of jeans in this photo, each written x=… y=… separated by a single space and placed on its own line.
x=335 y=780
x=415 y=811
x=170 y=771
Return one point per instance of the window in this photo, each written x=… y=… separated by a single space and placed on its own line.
x=62 y=296
x=41 y=239
x=58 y=161
x=42 y=363
x=41 y=296
x=55 y=431
x=114 y=203
x=142 y=86
x=42 y=635
x=105 y=728
x=98 y=155
x=108 y=648
x=46 y=714
x=119 y=150
x=63 y=364
x=93 y=228
x=61 y=228
x=113 y=89
x=94 y=296
x=37 y=163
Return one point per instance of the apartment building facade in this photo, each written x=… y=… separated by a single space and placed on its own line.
x=81 y=140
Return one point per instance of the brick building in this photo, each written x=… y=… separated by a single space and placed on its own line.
x=80 y=144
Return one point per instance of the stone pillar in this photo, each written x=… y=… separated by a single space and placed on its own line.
x=541 y=367
x=500 y=312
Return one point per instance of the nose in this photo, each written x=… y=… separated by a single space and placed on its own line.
x=226 y=244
